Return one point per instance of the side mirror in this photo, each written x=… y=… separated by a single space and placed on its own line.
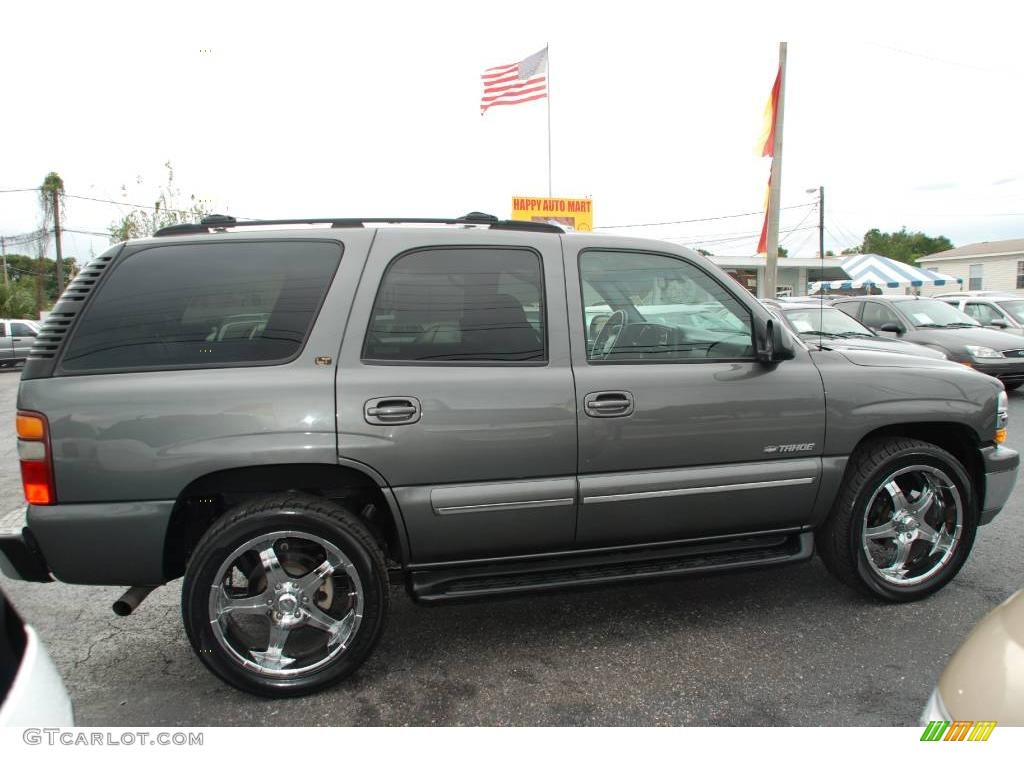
x=999 y=323
x=772 y=345
x=890 y=328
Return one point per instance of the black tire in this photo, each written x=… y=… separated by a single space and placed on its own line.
x=839 y=541
x=320 y=519
x=1011 y=387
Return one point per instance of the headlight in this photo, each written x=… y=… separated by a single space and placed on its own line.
x=1002 y=416
x=981 y=353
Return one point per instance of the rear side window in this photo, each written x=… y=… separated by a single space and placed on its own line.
x=204 y=305
x=460 y=304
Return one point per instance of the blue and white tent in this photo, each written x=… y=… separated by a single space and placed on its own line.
x=870 y=269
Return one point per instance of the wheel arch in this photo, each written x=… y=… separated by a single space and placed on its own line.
x=207 y=497
x=958 y=439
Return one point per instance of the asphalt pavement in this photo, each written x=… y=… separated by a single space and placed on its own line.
x=789 y=646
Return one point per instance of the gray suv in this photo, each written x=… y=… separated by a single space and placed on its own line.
x=295 y=414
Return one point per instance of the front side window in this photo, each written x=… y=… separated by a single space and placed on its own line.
x=204 y=305
x=658 y=308
x=22 y=329
x=473 y=305
x=975 y=277
x=983 y=313
x=876 y=315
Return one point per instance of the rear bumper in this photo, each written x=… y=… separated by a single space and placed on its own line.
x=1000 y=476
x=120 y=543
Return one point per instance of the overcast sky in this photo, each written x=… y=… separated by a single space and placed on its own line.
x=340 y=109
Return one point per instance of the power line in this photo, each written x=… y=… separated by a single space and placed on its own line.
x=27 y=189
x=125 y=202
x=85 y=232
x=693 y=221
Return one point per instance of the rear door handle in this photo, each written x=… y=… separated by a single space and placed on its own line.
x=392 y=410
x=603 y=405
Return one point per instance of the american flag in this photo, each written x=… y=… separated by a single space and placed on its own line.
x=517 y=83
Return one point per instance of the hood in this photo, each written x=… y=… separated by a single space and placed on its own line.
x=959 y=337
x=882 y=344
x=873 y=358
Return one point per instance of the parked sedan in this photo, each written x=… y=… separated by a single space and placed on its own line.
x=1005 y=312
x=983 y=680
x=31 y=691
x=936 y=324
x=834 y=329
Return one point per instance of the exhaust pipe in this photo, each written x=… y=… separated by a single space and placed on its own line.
x=130 y=600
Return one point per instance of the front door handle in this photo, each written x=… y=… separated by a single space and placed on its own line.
x=392 y=410
x=603 y=405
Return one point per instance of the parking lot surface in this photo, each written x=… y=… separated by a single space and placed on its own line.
x=789 y=646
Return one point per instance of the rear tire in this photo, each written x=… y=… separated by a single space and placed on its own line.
x=285 y=595
x=904 y=521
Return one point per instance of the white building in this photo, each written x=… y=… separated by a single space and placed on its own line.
x=989 y=266
x=792 y=277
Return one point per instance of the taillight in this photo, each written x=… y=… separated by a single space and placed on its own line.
x=34 y=454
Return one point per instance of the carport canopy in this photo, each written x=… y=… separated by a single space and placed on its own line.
x=870 y=269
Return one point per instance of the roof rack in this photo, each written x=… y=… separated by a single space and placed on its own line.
x=474 y=219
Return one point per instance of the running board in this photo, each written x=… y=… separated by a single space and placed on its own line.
x=430 y=585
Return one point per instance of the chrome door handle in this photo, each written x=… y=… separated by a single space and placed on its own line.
x=608 y=404
x=392 y=410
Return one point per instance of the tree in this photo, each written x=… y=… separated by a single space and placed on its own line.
x=167 y=210
x=783 y=253
x=702 y=252
x=903 y=246
x=24 y=273
x=51 y=200
x=18 y=300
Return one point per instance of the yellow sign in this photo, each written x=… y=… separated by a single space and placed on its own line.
x=569 y=212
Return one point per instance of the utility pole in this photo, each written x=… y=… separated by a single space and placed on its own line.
x=775 y=192
x=56 y=232
x=821 y=223
x=3 y=254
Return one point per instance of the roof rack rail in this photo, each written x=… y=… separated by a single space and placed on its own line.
x=473 y=219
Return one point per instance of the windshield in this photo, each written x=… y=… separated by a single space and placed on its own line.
x=930 y=313
x=825 y=321
x=1015 y=308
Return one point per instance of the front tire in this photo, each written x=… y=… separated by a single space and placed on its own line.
x=904 y=522
x=285 y=595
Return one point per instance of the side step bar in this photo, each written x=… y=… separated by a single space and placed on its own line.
x=513 y=577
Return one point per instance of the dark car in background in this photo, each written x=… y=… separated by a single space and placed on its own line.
x=936 y=324
x=829 y=327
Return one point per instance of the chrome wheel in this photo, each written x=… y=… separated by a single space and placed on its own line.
x=912 y=525
x=285 y=603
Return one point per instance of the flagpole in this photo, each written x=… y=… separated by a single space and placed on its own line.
x=548 y=56
x=775 y=192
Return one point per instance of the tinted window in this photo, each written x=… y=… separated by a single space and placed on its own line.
x=21 y=329
x=465 y=304
x=3 y=329
x=876 y=315
x=645 y=306
x=203 y=305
